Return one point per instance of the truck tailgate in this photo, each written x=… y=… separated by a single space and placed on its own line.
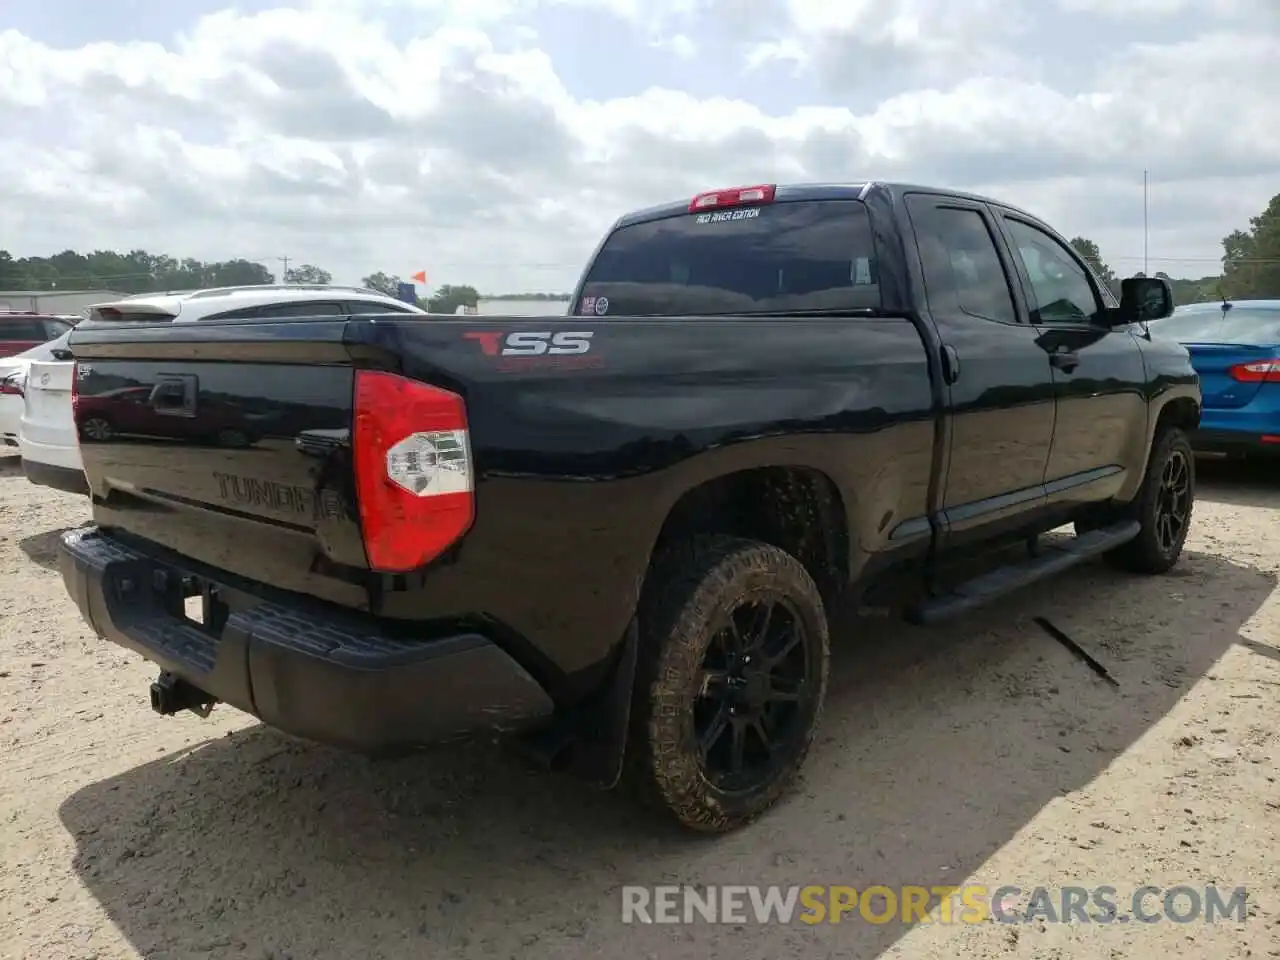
x=228 y=446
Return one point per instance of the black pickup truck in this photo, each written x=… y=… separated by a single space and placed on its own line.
x=613 y=537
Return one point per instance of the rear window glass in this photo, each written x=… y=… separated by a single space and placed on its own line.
x=1239 y=325
x=812 y=255
x=21 y=328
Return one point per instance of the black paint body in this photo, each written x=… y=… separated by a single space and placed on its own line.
x=932 y=432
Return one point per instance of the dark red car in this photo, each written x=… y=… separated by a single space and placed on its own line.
x=165 y=412
x=22 y=331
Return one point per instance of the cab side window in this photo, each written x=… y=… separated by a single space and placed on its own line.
x=1060 y=283
x=22 y=329
x=301 y=308
x=962 y=270
x=242 y=313
x=358 y=307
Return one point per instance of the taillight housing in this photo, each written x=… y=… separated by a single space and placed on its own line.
x=1256 y=371
x=11 y=386
x=733 y=197
x=414 y=478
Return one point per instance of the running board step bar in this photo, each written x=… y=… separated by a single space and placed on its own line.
x=1048 y=560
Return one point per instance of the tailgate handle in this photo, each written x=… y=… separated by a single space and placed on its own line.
x=175 y=396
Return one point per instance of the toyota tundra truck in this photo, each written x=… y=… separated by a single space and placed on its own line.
x=612 y=538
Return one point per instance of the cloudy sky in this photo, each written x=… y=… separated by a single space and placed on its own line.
x=491 y=141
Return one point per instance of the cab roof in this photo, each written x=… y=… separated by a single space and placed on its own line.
x=857 y=190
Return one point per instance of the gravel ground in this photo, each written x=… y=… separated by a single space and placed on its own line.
x=985 y=752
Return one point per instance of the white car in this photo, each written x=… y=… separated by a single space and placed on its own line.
x=47 y=434
x=13 y=378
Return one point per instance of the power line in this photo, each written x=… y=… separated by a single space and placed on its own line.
x=1203 y=259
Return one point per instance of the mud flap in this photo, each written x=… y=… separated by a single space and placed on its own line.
x=592 y=737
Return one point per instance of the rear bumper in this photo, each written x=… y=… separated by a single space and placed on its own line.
x=331 y=678
x=10 y=418
x=54 y=454
x=59 y=478
x=1254 y=428
x=1235 y=442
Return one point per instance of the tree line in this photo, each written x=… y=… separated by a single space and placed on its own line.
x=1250 y=256
x=141 y=272
x=1184 y=290
x=447 y=298
x=1250 y=261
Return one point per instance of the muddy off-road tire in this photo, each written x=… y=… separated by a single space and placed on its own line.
x=1163 y=507
x=716 y=678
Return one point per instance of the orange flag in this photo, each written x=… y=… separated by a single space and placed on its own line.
x=419 y=277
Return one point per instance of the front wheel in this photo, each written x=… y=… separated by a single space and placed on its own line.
x=732 y=676
x=1162 y=508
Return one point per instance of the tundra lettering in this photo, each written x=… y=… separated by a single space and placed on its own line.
x=254 y=491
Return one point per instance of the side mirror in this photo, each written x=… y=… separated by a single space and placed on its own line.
x=1143 y=299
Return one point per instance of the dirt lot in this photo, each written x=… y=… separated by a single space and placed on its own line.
x=985 y=752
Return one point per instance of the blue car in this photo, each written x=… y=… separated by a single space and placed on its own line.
x=1235 y=347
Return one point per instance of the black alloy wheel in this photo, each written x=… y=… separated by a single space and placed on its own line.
x=1173 y=502
x=755 y=681
x=731 y=675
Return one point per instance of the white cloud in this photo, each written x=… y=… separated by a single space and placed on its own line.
x=1142 y=9
x=679 y=44
x=368 y=134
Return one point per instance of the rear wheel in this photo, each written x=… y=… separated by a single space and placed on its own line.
x=97 y=430
x=732 y=675
x=1163 y=508
x=231 y=437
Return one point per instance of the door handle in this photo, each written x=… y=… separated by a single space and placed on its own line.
x=175 y=396
x=950 y=364
x=1066 y=360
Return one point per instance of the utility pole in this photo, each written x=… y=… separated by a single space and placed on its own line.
x=285 y=262
x=1145 y=230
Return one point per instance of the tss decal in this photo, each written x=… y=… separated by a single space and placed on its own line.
x=526 y=350
x=528 y=344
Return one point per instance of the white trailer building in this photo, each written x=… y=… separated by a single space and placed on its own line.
x=522 y=308
x=54 y=302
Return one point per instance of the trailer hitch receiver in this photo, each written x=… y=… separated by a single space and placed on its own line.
x=170 y=694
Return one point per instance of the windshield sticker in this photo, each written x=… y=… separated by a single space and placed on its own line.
x=862 y=272
x=724 y=215
x=601 y=306
x=588 y=305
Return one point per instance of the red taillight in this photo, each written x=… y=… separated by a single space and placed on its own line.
x=414 y=478
x=11 y=386
x=1259 y=371
x=733 y=197
x=75 y=387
